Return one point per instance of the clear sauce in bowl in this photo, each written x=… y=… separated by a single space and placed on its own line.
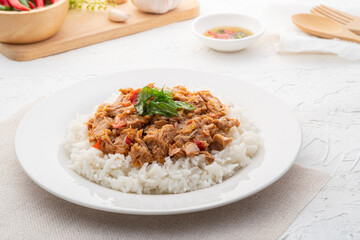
x=228 y=33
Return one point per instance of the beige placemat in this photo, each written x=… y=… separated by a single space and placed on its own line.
x=29 y=212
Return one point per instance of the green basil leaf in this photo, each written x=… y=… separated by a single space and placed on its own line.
x=184 y=105
x=169 y=93
x=151 y=101
x=144 y=95
x=139 y=106
x=161 y=96
x=161 y=108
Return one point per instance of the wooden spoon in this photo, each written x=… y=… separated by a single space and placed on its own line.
x=323 y=27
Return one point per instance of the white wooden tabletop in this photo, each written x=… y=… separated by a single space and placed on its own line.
x=323 y=90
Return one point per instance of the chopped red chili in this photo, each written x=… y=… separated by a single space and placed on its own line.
x=228 y=33
x=120 y=124
x=200 y=145
x=133 y=96
x=128 y=140
x=97 y=145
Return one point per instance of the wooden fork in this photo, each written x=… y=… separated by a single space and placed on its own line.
x=351 y=22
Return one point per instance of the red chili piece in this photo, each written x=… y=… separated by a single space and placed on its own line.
x=5 y=3
x=120 y=124
x=228 y=32
x=199 y=144
x=128 y=140
x=97 y=145
x=39 y=3
x=17 y=5
x=221 y=36
x=133 y=96
x=32 y=6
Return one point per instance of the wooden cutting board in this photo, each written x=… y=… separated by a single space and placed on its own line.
x=83 y=28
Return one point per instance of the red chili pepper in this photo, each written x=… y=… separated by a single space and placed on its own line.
x=97 y=145
x=5 y=3
x=32 y=6
x=222 y=36
x=17 y=5
x=119 y=124
x=133 y=96
x=39 y=3
x=200 y=145
x=128 y=140
x=228 y=32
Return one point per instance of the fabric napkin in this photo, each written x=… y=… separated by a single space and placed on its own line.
x=29 y=212
x=290 y=39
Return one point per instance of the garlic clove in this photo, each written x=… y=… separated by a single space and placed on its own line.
x=116 y=15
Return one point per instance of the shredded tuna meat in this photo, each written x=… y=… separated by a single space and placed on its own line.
x=116 y=128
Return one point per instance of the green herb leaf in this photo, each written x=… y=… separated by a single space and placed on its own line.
x=151 y=101
x=168 y=93
x=161 y=108
x=184 y=105
x=144 y=95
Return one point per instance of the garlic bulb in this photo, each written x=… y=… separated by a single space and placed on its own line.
x=116 y=15
x=156 y=6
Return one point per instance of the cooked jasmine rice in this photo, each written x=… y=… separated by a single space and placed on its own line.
x=116 y=171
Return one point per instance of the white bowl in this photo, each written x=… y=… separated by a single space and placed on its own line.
x=204 y=23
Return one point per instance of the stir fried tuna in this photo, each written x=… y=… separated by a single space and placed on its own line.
x=150 y=124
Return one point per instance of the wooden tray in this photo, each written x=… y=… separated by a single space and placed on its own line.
x=83 y=28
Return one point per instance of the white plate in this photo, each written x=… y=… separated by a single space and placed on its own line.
x=41 y=131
